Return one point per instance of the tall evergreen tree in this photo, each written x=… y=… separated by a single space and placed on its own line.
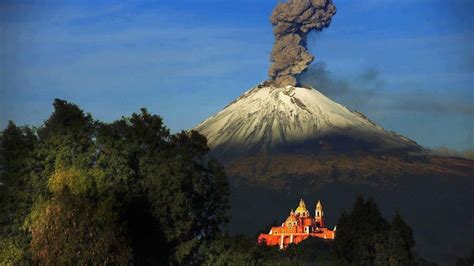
x=400 y=242
x=345 y=244
x=364 y=237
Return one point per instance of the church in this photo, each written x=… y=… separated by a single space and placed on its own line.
x=299 y=226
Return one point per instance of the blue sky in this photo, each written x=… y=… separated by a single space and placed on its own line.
x=408 y=65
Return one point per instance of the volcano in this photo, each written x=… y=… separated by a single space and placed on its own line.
x=269 y=134
x=279 y=144
x=269 y=119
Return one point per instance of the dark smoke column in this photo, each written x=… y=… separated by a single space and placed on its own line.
x=291 y=23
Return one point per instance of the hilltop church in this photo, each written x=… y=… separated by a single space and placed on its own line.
x=299 y=226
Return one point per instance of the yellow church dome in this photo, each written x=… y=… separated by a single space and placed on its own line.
x=301 y=208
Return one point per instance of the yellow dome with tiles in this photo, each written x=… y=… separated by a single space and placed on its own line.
x=301 y=208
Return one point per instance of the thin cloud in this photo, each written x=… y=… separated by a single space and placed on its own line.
x=358 y=90
x=367 y=90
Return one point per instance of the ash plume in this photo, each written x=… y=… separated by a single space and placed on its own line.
x=292 y=21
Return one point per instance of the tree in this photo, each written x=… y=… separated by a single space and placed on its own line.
x=75 y=227
x=171 y=177
x=359 y=232
x=124 y=192
x=312 y=251
x=364 y=237
x=16 y=147
x=345 y=235
x=65 y=139
x=71 y=221
x=400 y=242
x=232 y=250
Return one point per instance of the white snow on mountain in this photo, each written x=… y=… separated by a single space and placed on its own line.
x=267 y=116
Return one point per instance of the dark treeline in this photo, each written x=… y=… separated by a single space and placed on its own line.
x=467 y=261
x=79 y=191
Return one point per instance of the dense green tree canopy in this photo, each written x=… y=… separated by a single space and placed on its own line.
x=16 y=148
x=128 y=191
x=365 y=237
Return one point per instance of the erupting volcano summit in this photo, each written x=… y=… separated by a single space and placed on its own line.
x=277 y=116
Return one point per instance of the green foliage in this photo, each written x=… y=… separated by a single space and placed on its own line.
x=78 y=191
x=11 y=251
x=16 y=145
x=66 y=139
x=70 y=222
x=77 y=181
x=170 y=175
x=400 y=242
x=74 y=229
x=241 y=250
x=364 y=237
x=237 y=250
x=312 y=251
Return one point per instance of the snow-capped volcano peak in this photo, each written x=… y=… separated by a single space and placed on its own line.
x=266 y=118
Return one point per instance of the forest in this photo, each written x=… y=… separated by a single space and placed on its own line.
x=80 y=191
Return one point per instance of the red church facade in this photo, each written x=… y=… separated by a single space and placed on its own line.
x=299 y=226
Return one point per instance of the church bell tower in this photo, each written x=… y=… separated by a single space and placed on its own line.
x=319 y=214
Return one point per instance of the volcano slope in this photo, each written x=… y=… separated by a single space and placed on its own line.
x=280 y=144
